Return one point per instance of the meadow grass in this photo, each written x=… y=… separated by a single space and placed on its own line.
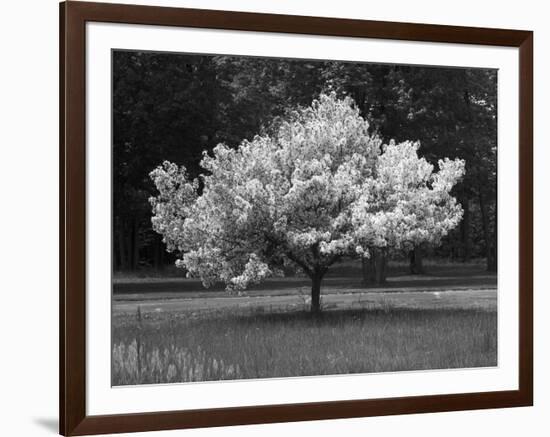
x=221 y=345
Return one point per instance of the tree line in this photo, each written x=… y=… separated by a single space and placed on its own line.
x=173 y=107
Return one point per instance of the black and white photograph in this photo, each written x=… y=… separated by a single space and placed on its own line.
x=277 y=217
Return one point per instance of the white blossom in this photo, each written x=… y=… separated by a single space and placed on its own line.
x=318 y=189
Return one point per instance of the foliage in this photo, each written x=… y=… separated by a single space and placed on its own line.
x=317 y=189
x=173 y=106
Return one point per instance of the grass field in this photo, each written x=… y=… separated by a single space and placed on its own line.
x=390 y=333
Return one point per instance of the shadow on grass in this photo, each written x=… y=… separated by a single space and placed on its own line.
x=337 y=316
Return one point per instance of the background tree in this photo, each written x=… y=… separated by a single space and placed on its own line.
x=453 y=113
x=319 y=189
x=173 y=106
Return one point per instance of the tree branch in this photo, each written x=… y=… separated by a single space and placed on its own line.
x=302 y=264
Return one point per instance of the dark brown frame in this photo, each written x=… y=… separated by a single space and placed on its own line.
x=72 y=273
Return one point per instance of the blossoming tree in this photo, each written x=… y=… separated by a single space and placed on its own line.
x=318 y=189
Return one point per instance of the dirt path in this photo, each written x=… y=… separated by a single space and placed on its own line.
x=461 y=298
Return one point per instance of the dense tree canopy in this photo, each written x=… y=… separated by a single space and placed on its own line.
x=317 y=189
x=172 y=107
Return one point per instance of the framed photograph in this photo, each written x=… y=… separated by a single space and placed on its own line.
x=270 y=218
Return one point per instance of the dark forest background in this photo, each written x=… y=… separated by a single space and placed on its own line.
x=172 y=107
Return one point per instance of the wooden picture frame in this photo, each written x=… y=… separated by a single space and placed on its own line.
x=73 y=416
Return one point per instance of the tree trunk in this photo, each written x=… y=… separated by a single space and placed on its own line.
x=135 y=244
x=157 y=254
x=123 y=263
x=490 y=251
x=494 y=266
x=381 y=266
x=416 y=266
x=368 y=268
x=316 y=293
x=374 y=268
x=465 y=231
